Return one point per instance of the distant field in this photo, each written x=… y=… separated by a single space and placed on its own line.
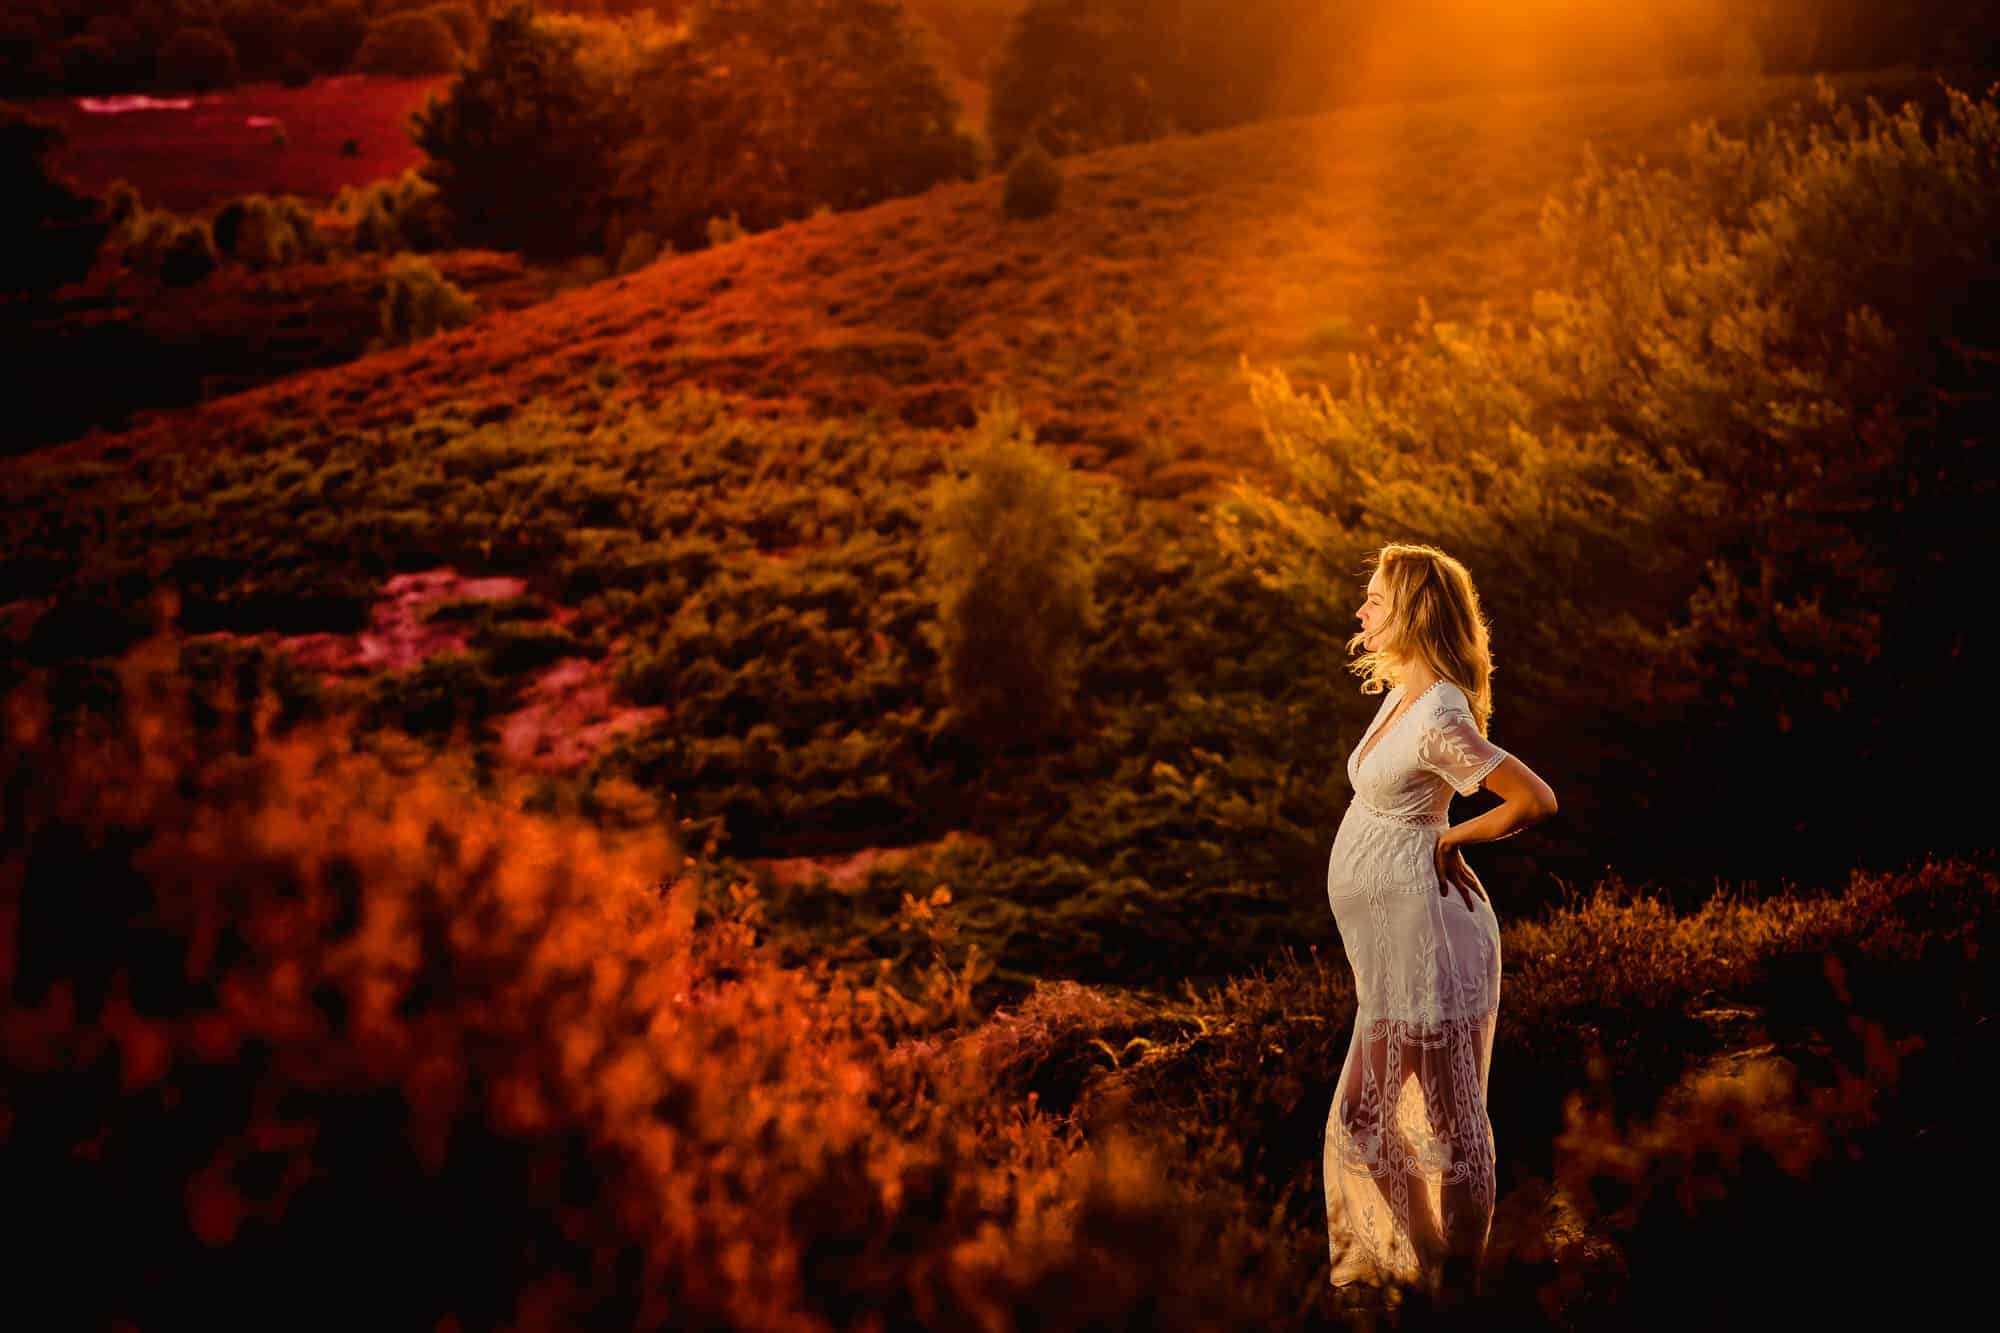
x=221 y=146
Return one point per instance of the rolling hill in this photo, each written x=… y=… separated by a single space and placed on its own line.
x=1119 y=320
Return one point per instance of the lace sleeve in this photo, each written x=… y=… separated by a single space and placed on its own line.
x=1451 y=747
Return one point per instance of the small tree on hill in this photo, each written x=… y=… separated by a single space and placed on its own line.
x=1013 y=565
x=520 y=143
x=1034 y=183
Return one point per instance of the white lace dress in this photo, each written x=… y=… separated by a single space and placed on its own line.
x=1409 y=1149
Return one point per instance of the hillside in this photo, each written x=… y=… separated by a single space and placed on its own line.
x=1119 y=320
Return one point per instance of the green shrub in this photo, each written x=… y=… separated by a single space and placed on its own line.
x=418 y=301
x=1034 y=183
x=407 y=45
x=722 y=231
x=196 y=60
x=121 y=201
x=640 y=249
x=1012 y=566
x=188 y=253
x=264 y=237
x=403 y=213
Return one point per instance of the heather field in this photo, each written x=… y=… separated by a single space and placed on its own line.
x=201 y=148
x=530 y=786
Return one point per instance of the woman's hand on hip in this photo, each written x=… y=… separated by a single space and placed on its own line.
x=1454 y=873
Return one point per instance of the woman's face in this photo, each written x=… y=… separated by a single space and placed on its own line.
x=1374 y=613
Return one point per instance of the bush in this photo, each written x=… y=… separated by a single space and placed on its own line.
x=50 y=231
x=267 y=233
x=295 y=70
x=1012 y=565
x=403 y=213
x=187 y=254
x=521 y=126
x=1034 y=183
x=196 y=60
x=408 y=45
x=640 y=249
x=418 y=301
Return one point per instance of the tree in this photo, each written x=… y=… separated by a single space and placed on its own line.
x=1013 y=564
x=197 y=59
x=50 y=231
x=520 y=144
x=771 y=108
x=408 y=45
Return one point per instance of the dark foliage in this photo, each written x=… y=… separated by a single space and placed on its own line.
x=520 y=143
x=196 y=60
x=49 y=231
x=774 y=107
x=407 y=45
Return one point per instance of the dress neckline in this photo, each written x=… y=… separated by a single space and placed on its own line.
x=1374 y=736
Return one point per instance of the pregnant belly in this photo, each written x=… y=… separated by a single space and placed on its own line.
x=1375 y=852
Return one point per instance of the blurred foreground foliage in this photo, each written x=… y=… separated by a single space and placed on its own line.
x=286 y=1003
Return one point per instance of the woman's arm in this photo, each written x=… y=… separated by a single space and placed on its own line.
x=1525 y=800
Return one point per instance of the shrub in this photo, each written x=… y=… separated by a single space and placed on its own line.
x=521 y=126
x=402 y=213
x=295 y=70
x=418 y=301
x=196 y=60
x=640 y=249
x=408 y=45
x=1012 y=567
x=265 y=237
x=721 y=231
x=1034 y=183
x=50 y=231
x=187 y=254
x=121 y=201
x=227 y=225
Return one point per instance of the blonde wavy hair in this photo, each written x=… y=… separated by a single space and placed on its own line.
x=1434 y=617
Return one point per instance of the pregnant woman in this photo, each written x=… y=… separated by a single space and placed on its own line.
x=1409 y=1150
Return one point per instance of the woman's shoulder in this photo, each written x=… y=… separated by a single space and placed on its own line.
x=1449 y=697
